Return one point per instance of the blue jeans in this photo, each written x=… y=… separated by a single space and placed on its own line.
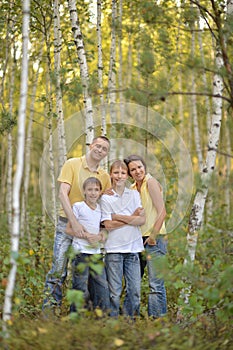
x=57 y=275
x=157 y=301
x=117 y=266
x=93 y=285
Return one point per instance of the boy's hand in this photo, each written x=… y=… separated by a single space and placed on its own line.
x=139 y=212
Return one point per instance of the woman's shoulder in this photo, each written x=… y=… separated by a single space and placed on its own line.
x=153 y=182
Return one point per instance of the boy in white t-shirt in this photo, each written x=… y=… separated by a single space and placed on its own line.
x=122 y=217
x=93 y=285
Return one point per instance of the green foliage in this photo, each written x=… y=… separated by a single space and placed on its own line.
x=7 y=123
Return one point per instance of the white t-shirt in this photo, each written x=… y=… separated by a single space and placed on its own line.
x=126 y=239
x=90 y=219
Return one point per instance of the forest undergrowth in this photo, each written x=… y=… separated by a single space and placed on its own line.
x=204 y=323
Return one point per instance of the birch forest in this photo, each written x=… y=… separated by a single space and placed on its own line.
x=156 y=78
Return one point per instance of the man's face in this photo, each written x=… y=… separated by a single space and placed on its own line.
x=99 y=149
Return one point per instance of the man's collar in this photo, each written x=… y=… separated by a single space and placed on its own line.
x=85 y=165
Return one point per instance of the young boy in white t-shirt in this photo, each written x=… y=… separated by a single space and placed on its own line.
x=122 y=216
x=93 y=285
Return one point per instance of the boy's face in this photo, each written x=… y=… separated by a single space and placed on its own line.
x=92 y=192
x=99 y=149
x=119 y=176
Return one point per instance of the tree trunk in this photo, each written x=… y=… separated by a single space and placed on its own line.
x=100 y=68
x=50 y=123
x=78 y=40
x=28 y=146
x=112 y=62
x=15 y=235
x=197 y=140
x=57 y=65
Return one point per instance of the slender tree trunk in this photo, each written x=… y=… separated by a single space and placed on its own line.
x=112 y=62
x=57 y=65
x=197 y=211
x=50 y=123
x=207 y=100
x=7 y=309
x=28 y=145
x=112 y=80
x=100 y=68
x=197 y=140
x=78 y=40
x=10 y=144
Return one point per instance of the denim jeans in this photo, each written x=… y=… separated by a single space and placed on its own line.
x=57 y=275
x=157 y=301
x=117 y=266
x=93 y=285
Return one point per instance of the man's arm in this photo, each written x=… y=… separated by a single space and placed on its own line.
x=64 y=191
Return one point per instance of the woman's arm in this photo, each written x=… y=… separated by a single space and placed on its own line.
x=157 y=199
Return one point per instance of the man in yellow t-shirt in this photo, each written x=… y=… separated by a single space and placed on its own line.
x=73 y=173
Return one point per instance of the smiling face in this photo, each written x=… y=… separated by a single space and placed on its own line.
x=137 y=170
x=118 y=175
x=92 y=192
x=99 y=149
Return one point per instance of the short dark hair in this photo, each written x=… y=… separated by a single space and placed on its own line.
x=92 y=180
x=132 y=158
x=104 y=138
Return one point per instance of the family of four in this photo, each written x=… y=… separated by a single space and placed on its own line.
x=93 y=202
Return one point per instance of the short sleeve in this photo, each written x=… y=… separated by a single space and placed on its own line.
x=106 y=211
x=76 y=208
x=67 y=173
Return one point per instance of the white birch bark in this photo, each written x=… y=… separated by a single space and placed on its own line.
x=78 y=40
x=57 y=66
x=204 y=78
x=197 y=141
x=15 y=235
x=100 y=68
x=209 y=166
x=50 y=123
x=120 y=73
x=112 y=80
x=198 y=207
x=28 y=144
x=112 y=62
x=10 y=145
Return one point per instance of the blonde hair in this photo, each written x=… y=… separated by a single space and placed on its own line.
x=118 y=164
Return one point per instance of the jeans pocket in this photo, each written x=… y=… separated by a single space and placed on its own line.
x=162 y=245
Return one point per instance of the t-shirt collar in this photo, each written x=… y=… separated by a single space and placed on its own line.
x=85 y=165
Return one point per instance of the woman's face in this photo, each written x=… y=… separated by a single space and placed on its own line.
x=137 y=170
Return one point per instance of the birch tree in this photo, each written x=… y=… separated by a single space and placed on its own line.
x=196 y=131
x=100 y=67
x=57 y=65
x=82 y=60
x=28 y=146
x=197 y=211
x=112 y=61
x=15 y=234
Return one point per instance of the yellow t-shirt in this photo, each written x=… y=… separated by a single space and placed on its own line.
x=150 y=210
x=74 y=172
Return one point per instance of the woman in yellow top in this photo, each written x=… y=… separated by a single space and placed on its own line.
x=153 y=231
